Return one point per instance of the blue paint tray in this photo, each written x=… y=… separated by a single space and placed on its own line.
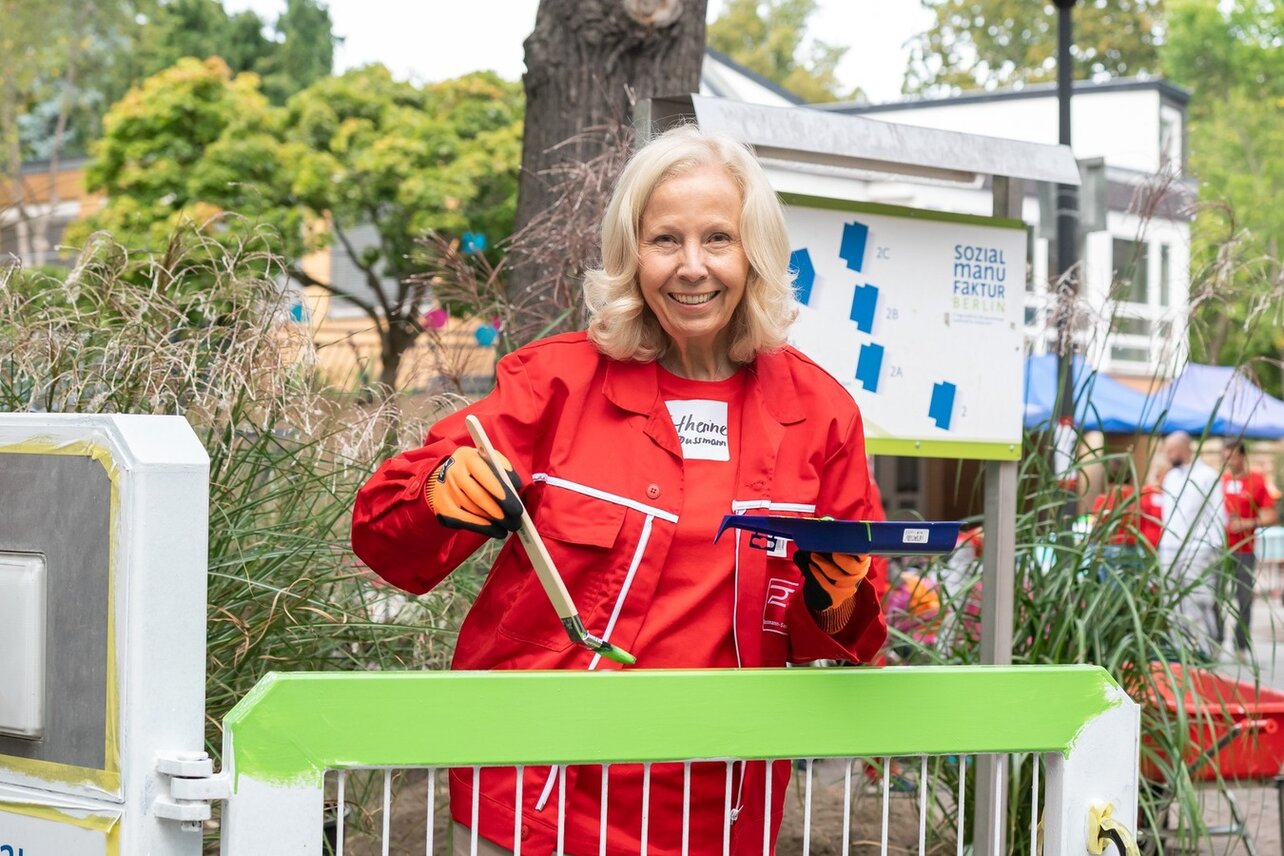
x=863 y=537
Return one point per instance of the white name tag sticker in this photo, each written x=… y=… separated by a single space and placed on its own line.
x=702 y=429
x=914 y=536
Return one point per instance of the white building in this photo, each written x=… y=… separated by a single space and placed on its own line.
x=1136 y=205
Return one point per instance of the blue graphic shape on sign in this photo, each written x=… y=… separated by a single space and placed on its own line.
x=942 y=407
x=852 y=249
x=864 y=302
x=869 y=365
x=800 y=262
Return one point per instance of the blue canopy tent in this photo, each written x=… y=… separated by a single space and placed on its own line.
x=1242 y=409
x=1102 y=403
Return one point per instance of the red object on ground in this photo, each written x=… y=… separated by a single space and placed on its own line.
x=1247 y=721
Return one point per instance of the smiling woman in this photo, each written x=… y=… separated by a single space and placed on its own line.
x=627 y=444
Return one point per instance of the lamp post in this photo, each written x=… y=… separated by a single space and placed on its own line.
x=1067 y=255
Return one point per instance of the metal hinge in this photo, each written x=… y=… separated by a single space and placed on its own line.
x=192 y=785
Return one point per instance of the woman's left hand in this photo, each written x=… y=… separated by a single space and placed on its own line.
x=830 y=579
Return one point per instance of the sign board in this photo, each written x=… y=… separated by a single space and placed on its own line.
x=919 y=314
x=34 y=830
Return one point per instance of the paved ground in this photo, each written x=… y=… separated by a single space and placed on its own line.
x=1260 y=803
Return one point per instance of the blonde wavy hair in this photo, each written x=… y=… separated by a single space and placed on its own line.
x=621 y=325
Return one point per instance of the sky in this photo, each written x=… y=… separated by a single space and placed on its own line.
x=429 y=40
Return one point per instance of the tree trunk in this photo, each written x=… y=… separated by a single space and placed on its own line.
x=587 y=63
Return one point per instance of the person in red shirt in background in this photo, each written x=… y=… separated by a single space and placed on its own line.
x=1249 y=504
x=1150 y=517
x=1119 y=508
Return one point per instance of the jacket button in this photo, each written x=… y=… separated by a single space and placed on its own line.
x=526 y=832
x=653 y=491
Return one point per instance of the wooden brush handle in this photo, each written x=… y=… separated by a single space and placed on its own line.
x=529 y=535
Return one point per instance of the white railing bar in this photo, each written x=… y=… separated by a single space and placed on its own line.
x=559 y=775
x=387 y=809
x=1034 y=809
x=343 y=778
x=561 y=807
x=686 y=807
x=769 y=769
x=847 y=808
x=922 y=805
x=1000 y=762
x=601 y=829
x=887 y=789
x=807 y=810
x=726 y=811
x=517 y=813
x=646 y=805
x=432 y=808
x=476 y=813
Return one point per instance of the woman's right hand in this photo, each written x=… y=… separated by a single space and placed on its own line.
x=466 y=492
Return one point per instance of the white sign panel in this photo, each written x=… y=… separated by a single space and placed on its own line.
x=23 y=834
x=919 y=315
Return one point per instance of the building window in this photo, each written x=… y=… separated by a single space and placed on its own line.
x=1165 y=275
x=1169 y=143
x=1131 y=277
x=1126 y=354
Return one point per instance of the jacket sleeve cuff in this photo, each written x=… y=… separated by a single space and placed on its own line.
x=835 y=618
x=858 y=639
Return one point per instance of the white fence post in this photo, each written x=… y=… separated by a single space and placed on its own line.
x=1100 y=768
x=116 y=507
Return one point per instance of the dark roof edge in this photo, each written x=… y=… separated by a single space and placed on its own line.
x=767 y=83
x=1166 y=89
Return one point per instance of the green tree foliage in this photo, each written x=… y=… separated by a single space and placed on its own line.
x=296 y=52
x=987 y=43
x=1231 y=60
x=370 y=149
x=64 y=62
x=767 y=36
x=199 y=146
x=305 y=51
x=188 y=145
x=59 y=59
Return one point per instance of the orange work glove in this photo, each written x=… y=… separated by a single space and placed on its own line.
x=466 y=492
x=829 y=585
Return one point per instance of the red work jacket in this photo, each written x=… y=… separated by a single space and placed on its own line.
x=602 y=466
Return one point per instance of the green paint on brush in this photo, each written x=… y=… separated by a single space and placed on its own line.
x=292 y=727
x=617 y=654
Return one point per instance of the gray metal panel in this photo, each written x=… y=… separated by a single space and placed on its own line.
x=855 y=142
x=59 y=505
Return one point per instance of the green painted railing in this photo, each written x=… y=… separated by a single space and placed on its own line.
x=292 y=727
x=283 y=737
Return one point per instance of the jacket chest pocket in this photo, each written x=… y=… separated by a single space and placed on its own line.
x=583 y=535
